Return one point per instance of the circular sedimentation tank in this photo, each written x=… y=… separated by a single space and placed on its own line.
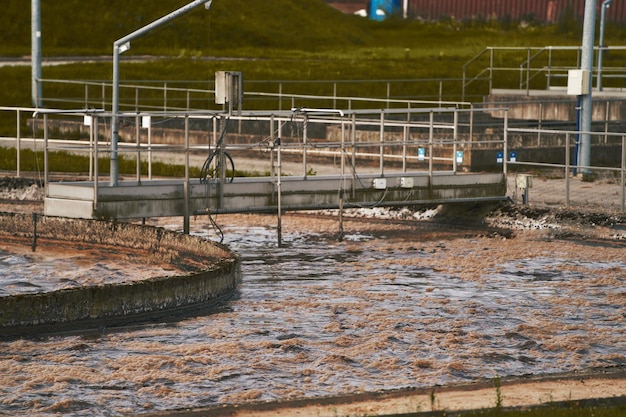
x=201 y=274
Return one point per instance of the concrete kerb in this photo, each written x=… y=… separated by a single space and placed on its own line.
x=214 y=274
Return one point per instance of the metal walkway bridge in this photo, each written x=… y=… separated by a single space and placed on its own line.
x=304 y=159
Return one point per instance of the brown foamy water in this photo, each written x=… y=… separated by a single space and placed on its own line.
x=321 y=317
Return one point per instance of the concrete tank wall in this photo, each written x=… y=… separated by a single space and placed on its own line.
x=214 y=274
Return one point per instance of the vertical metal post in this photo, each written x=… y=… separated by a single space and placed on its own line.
x=91 y=130
x=150 y=150
x=567 y=164
x=382 y=143
x=528 y=73
x=353 y=140
x=186 y=183
x=342 y=188
x=540 y=123
x=19 y=144
x=114 y=117
x=138 y=144
x=455 y=140
x=605 y=5
x=586 y=99
x=549 y=75
x=272 y=141
x=607 y=118
x=405 y=139
x=430 y=145
x=45 y=151
x=505 y=141
x=623 y=173
x=304 y=145
x=440 y=92
x=471 y=123
x=279 y=192
x=388 y=93
x=36 y=52
x=95 y=158
x=220 y=165
x=122 y=45
x=164 y=97
x=491 y=51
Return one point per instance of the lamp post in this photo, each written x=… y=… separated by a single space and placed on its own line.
x=605 y=5
x=120 y=46
x=36 y=52
x=585 y=99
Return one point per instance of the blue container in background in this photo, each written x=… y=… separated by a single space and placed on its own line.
x=380 y=9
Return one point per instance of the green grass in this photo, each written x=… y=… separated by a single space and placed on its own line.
x=65 y=162
x=277 y=40
x=254 y=28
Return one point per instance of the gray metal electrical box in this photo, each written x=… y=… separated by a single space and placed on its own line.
x=229 y=88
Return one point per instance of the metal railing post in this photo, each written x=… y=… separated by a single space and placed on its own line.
x=430 y=145
x=91 y=136
x=104 y=94
x=491 y=59
x=138 y=144
x=528 y=73
x=549 y=75
x=567 y=168
x=305 y=138
x=279 y=192
x=382 y=143
x=353 y=140
x=388 y=93
x=164 y=97
x=454 y=139
x=95 y=168
x=186 y=185
x=18 y=140
x=505 y=140
x=150 y=149
x=623 y=172
x=405 y=139
x=540 y=120
x=45 y=151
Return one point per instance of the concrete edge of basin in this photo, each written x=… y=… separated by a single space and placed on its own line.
x=214 y=275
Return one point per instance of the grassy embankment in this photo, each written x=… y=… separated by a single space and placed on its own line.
x=277 y=40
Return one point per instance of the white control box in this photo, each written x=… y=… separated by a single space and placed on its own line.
x=578 y=82
x=380 y=183
x=406 y=182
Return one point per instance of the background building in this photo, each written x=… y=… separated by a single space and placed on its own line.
x=548 y=11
